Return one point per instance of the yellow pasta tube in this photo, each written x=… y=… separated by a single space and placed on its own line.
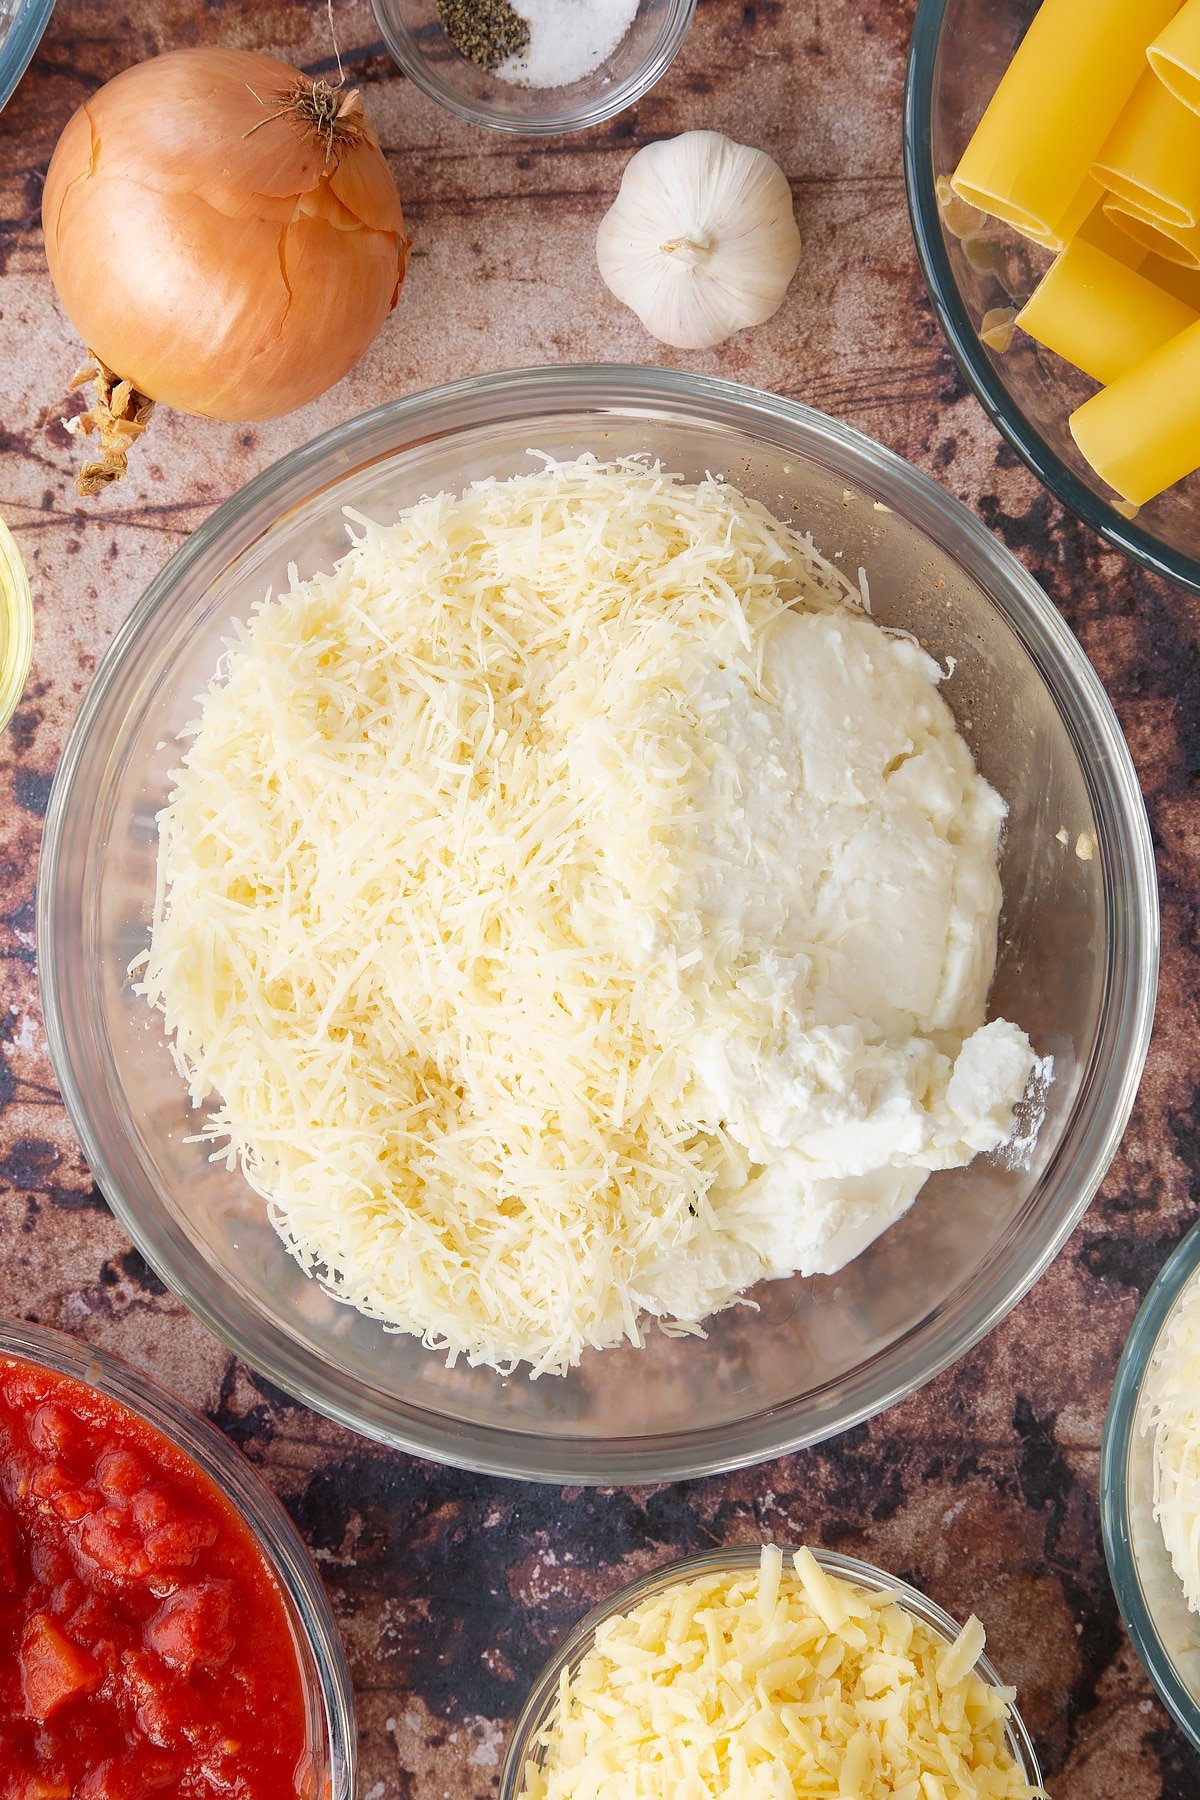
x=1083 y=203
x=1098 y=314
x=1175 y=55
x=1177 y=243
x=1059 y=98
x=1183 y=283
x=1106 y=234
x=1151 y=157
x=1142 y=434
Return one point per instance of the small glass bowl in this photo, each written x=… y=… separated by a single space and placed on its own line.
x=960 y=50
x=16 y=625
x=328 y=1696
x=536 y=1715
x=414 y=35
x=22 y=23
x=1165 y=1634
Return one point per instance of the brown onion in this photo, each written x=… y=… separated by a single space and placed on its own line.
x=223 y=232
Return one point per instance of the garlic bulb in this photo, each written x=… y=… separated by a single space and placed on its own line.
x=700 y=240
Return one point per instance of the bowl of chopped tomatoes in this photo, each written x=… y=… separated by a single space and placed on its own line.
x=162 y=1626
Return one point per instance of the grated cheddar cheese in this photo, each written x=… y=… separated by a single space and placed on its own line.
x=773 y=1684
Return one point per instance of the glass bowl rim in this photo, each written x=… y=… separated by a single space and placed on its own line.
x=16 y=599
x=1116 y=1442
x=262 y=1512
x=404 y=50
x=1012 y=424
x=19 y=47
x=1110 y=1079
x=666 y=1575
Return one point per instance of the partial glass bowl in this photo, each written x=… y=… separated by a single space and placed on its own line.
x=22 y=23
x=1165 y=1634
x=413 y=33
x=1077 y=962
x=960 y=49
x=16 y=625
x=537 y=1714
x=325 y=1678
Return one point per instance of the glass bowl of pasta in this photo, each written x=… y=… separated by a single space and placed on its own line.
x=1077 y=945
x=981 y=271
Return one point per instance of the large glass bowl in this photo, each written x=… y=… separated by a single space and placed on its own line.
x=1077 y=961
x=537 y=1714
x=328 y=1697
x=960 y=49
x=413 y=33
x=1165 y=1634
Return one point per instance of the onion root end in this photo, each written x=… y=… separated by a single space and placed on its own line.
x=117 y=417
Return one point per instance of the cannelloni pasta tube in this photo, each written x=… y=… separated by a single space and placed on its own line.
x=1175 y=243
x=1106 y=234
x=1175 y=55
x=1029 y=159
x=1183 y=283
x=1142 y=434
x=1151 y=157
x=1100 y=315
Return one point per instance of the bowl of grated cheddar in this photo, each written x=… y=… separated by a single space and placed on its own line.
x=748 y=1672
x=466 y=1004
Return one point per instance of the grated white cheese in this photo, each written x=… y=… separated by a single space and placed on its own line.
x=1172 y=1402
x=435 y=924
x=769 y=1684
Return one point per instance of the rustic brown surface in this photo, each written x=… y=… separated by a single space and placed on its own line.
x=451 y=1588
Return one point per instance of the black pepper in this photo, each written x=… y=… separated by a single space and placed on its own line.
x=486 y=32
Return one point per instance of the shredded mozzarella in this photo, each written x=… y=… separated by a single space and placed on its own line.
x=768 y=1684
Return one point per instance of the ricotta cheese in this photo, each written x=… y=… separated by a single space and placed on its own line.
x=571 y=910
x=850 y=894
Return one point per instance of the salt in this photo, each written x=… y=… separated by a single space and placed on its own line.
x=568 y=39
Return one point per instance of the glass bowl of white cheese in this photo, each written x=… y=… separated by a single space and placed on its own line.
x=1149 y=1496
x=1075 y=967
x=714 y=1716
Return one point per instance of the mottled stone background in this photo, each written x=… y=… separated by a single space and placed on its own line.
x=450 y=1588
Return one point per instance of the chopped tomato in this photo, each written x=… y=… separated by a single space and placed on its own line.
x=53 y=1669
x=10 y=1551
x=192 y=1627
x=144 y=1647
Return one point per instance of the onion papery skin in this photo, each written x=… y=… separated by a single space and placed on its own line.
x=211 y=253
